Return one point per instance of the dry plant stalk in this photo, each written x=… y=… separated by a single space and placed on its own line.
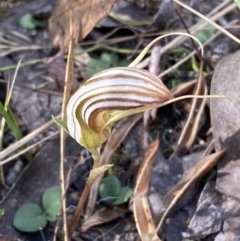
x=191 y=127
x=66 y=94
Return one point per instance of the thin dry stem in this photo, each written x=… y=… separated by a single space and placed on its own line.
x=8 y=151
x=213 y=16
x=49 y=92
x=183 y=60
x=73 y=223
x=233 y=5
x=28 y=149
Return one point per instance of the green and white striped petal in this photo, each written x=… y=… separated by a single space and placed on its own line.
x=104 y=98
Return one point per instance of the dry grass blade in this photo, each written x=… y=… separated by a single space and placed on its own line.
x=8 y=151
x=85 y=15
x=48 y=92
x=179 y=190
x=141 y=209
x=8 y=43
x=190 y=129
x=117 y=136
x=151 y=114
x=210 y=21
x=183 y=88
x=12 y=157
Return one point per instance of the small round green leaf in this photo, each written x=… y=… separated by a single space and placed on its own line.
x=123 y=195
x=204 y=35
x=29 y=218
x=94 y=66
x=109 y=188
x=51 y=202
x=27 y=21
x=109 y=58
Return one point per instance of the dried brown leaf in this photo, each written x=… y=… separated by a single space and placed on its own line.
x=192 y=125
x=85 y=16
x=142 y=212
x=104 y=215
x=179 y=191
x=183 y=88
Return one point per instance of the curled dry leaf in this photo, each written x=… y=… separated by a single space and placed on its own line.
x=142 y=212
x=178 y=192
x=102 y=216
x=84 y=15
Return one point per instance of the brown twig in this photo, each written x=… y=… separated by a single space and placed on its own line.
x=198 y=53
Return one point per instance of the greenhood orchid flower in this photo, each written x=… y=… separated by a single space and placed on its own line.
x=105 y=98
x=109 y=96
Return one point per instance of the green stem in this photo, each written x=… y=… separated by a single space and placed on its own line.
x=2 y=179
x=122 y=51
